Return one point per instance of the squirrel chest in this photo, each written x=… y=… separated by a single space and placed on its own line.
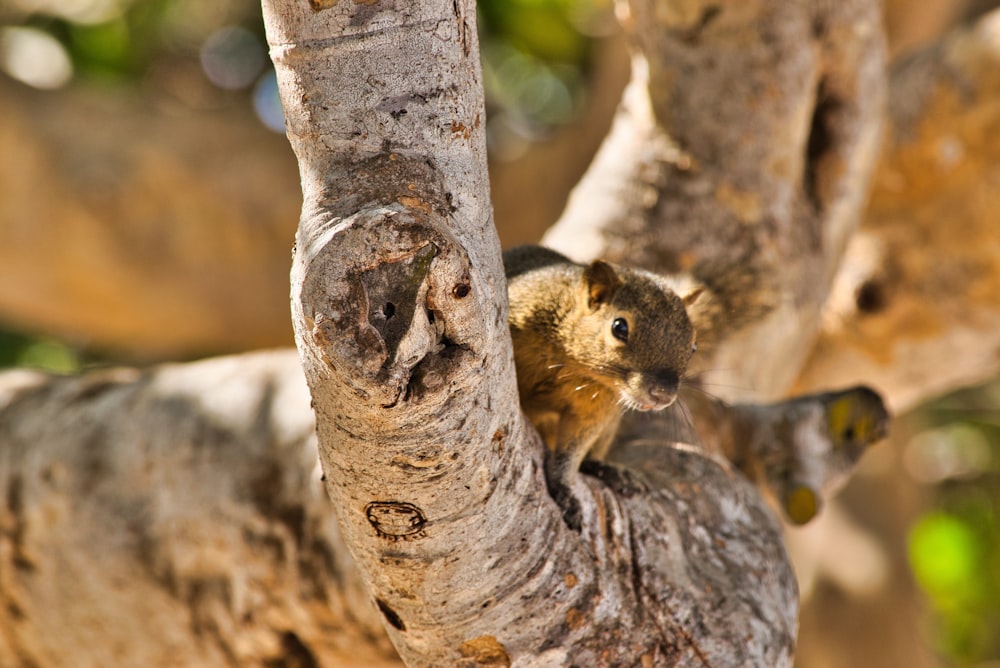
x=591 y=341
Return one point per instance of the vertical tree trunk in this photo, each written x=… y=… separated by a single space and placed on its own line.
x=400 y=318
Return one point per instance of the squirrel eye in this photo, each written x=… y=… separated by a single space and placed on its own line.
x=619 y=329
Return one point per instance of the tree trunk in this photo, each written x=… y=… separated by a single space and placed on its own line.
x=401 y=323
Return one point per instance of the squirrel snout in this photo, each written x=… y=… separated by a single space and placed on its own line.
x=661 y=389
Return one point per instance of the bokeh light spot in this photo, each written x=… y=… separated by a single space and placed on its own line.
x=943 y=554
x=34 y=57
x=232 y=57
x=267 y=102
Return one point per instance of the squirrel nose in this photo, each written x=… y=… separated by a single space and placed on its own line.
x=662 y=388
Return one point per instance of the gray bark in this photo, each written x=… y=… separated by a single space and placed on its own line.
x=400 y=319
x=741 y=156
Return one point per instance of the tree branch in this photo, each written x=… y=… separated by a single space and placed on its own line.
x=914 y=308
x=740 y=155
x=400 y=317
x=400 y=320
x=159 y=246
x=170 y=517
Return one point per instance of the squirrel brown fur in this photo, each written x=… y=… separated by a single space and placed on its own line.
x=591 y=341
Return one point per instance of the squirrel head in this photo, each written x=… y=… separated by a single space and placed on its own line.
x=633 y=330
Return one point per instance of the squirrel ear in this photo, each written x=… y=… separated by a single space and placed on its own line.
x=692 y=295
x=601 y=280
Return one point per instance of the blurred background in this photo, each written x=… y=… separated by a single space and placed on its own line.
x=148 y=202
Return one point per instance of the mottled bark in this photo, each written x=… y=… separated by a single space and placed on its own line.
x=400 y=317
x=173 y=517
x=176 y=516
x=741 y=156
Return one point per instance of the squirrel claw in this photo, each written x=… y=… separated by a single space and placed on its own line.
x=572 y=513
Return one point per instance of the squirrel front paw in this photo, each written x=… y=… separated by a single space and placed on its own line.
x=571 y=511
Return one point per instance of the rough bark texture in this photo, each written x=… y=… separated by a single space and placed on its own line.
x=400 y=319
x=173 y=517
x=217 y=545
x=398 y=303
x=741 y=156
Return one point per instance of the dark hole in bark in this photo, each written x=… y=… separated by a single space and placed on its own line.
x=693 y=34
x=390 y=290
x=870 y=297
x=390 y=615
x=295 y=654
x=821 y=143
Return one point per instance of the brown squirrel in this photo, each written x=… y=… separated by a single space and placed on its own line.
x=589 y=342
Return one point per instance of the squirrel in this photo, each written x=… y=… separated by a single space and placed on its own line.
x=591 y=341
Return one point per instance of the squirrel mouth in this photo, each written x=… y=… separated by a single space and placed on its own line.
x=648 y=404
x=653 y=406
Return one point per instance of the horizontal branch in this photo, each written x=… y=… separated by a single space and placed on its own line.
x=202 y=481
x=126 y=224
x=176 y=512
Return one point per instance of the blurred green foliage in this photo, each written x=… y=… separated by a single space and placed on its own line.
x=542 y=29
x=119 y=46
x=536 y=56
x=954 y=548
x=104 y=49
x=19 y=350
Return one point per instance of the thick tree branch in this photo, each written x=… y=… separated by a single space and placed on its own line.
x=915 y=310
x=400 y=320
x=399 y=309
x=173 y=517
x=163 y=244
x=740 y=155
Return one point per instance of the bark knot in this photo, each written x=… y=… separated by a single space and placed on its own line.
x=396 y=520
